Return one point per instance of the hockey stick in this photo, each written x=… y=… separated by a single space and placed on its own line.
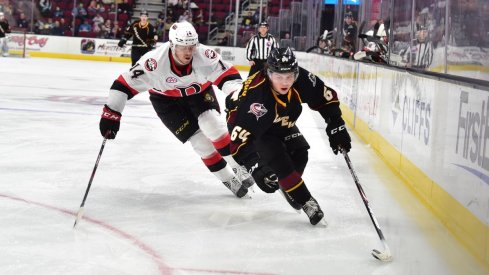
x=80 y=211
x=385 y=255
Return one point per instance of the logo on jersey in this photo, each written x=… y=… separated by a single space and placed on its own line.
x=150 y=64
x=208 y=98
x=210 y=54
x=313 y=79
x=258 y=110
x=171 y=79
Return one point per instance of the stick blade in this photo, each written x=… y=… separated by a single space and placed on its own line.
x=382 y=256
x=78 y=216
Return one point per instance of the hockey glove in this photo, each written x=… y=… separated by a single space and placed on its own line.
x=266 y=179
x=338 y=136
x=110 y=122
x=122 y=42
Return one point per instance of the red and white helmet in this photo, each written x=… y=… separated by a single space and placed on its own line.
x=184 y=34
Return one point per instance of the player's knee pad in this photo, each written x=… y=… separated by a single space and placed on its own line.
x=300 y=158
x=201 y=144
x=212 y=124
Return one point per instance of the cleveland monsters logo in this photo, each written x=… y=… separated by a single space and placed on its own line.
x=150 y=64
x=258 y=110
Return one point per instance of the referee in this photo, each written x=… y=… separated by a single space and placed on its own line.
x=259 y=47
x=144 y=37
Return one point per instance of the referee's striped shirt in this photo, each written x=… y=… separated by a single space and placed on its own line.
x=259 y=47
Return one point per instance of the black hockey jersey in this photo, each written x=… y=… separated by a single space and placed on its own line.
x=143 y=35
x=4 y=28
x=259 y=110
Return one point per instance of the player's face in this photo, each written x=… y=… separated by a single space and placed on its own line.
x=282 y=82
x=183 y=54
x=144 y=19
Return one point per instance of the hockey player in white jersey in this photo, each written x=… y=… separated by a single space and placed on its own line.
x=179 y=76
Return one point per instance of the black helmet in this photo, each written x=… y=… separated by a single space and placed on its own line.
x=144 y=12
x=263 y=24
x=282 y=60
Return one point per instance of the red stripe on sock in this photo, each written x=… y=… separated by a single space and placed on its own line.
x=290 y=181
x=212 y=159
x=222 y=141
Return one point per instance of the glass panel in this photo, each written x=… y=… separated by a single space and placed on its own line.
x=468 y=46
x=401 y=33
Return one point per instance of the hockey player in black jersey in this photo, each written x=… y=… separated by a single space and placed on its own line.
x=4 y=29
x=144 y=37
x=262 y=123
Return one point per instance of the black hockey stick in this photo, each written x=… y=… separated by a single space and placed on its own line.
x=385 y=255
x=80 y=211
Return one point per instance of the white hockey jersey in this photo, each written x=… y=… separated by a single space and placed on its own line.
x=156 y=72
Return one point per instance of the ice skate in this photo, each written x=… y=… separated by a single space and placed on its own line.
x=236 y=187
x=313 y=211
x=291 y=201
x=244 y=176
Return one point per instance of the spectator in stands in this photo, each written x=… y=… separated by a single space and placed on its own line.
x=92 y=8
x=186 y=16
x=64 y=27
x=38 y=26
x=22 y=21
x=247 y=21
x=57 y=29
x=48 y=27
x=100 y=8
x=116 y=32
x=84 y=27
x=286 y=42
x=105 y=29
x=58 y=13
x=126 y=7
x=79 y=12
x=256 y=17
x=45 y=7
x=112 y=8
x=98 y=20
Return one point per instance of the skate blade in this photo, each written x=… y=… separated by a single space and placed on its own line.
x=381 y=256
x=322 y=223
x=247 y=197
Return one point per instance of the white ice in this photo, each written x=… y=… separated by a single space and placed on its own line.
x=155 y=209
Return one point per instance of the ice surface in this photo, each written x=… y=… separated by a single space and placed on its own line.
x=155 y=209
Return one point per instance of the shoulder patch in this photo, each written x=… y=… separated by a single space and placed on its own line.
x=150 y=64
x=210 y=54
x=258 y=110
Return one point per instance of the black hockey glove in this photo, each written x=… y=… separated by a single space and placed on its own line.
x=110 y=122
x=266 y=179
x=338 y=136
x=122 y=42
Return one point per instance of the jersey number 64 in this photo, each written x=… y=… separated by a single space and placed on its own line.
x=240 y=133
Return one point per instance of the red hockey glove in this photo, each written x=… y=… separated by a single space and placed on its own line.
x=338 y=135
x=109 y=122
